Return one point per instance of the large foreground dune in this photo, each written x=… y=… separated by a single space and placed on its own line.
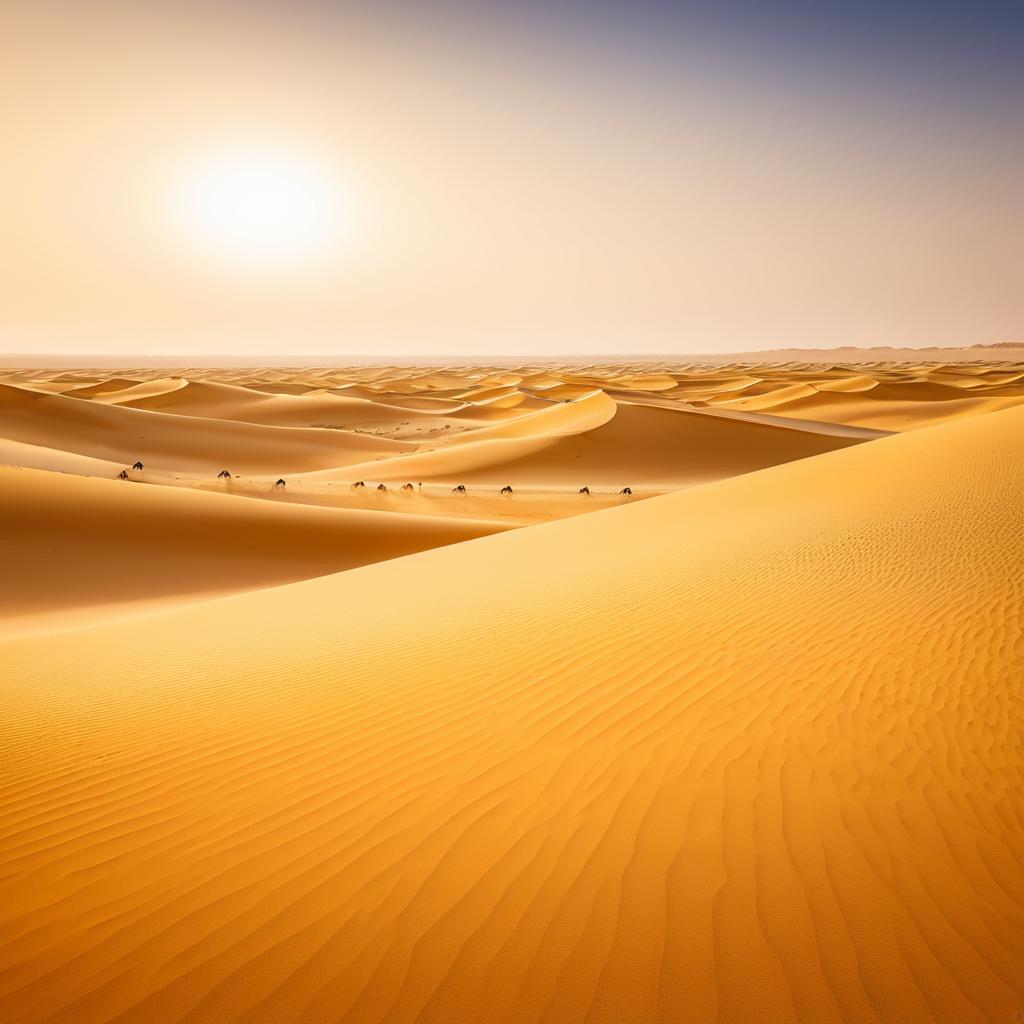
x=747 y=752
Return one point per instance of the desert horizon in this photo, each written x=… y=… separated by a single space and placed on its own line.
x=42 y=360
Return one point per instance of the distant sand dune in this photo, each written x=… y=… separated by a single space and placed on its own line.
x=187 y=443
x=638 y=445
x=751 y=752
x=231 y=402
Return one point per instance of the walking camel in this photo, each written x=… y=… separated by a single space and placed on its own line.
x=381 y=488
x=626 y=490
x=461 y=489
x=137 y=467
x=507 y=489
x=584 y=490
x=280 y=484
x=223 y=475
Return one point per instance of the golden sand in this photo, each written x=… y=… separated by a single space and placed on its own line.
x=746 y=751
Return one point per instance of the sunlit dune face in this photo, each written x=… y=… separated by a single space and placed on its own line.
x=260 y=207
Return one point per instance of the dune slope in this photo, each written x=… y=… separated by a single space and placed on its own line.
x=633 y=445
x=169 y=442
x=751 y=752
x=89 y=548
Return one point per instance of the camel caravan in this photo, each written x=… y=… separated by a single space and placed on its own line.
x=360 y=485
x=381 y=489
x=460 y=489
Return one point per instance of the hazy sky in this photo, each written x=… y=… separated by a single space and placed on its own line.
x=537 y=178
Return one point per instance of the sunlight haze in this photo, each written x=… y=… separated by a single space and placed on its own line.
x=463 y=180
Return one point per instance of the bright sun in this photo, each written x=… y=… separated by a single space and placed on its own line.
x=262 y=207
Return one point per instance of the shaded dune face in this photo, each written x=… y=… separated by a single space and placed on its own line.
x=747 y=752
x=86 y=548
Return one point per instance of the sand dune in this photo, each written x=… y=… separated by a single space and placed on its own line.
x=96 y=548
x=552 y=420
x=33 y=456
x=214 y=400
x=556 y=428
x=639 y=445
x=894 y=407
x=169 y=442
x=728 y=755
x=133 y=393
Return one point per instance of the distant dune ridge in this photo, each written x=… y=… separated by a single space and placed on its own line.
x=937 y=353
x=745 y=745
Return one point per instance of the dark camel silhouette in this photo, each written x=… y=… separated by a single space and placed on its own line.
x=123 y=475
x=506 y=489
x=137 y=466
x=625 y=490
x=223 y=475
x=358 y=484
x=280 y=483
x=459 y=490
x=584 y=490
x=407 y=487
x=381 y=487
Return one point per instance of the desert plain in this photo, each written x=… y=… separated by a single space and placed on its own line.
x=604 y=692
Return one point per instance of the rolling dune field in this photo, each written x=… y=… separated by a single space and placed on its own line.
x=743 y=744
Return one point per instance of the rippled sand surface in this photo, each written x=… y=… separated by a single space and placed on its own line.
x=742 y=745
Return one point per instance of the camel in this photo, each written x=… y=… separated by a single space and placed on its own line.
x=625 y=490
x=123 y=475
x=407 y=487
x=358 y=484
x=507 y=489
x=461 y=489
x=137 y=467
x=584 y=490
x=280 y=483
x=381 y=487
x=223 y=475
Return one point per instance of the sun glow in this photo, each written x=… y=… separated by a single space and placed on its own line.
x=262 y=207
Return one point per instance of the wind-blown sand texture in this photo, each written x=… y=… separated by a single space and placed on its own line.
x=747 y=751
